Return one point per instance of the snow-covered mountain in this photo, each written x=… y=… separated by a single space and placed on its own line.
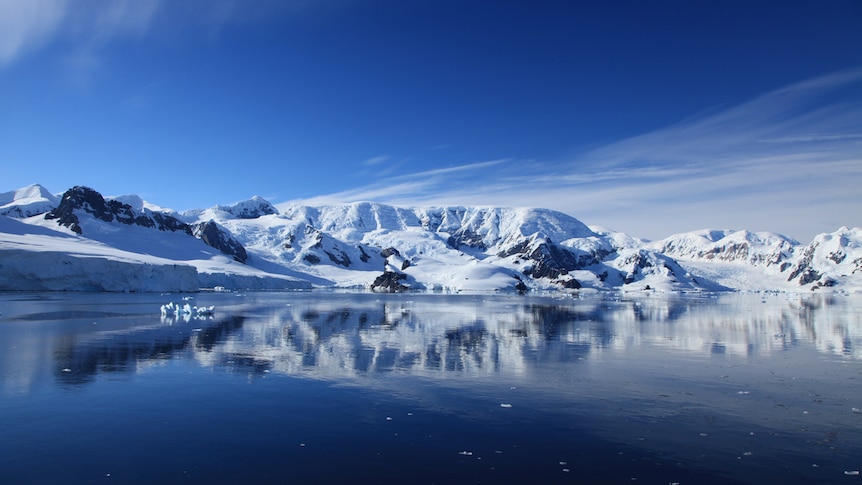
x=81 y=240
x=763 y=260
x=830 y=259
x=755 y=248
x=28 y=201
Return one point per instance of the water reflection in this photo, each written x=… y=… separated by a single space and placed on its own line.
x=663 y=389
x=335 y=335
x=78 y=359
x=504 y=336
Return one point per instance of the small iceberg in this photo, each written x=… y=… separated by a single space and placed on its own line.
x=187 y=309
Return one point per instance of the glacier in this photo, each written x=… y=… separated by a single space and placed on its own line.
x=81 y=240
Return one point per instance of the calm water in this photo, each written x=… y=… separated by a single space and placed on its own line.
x=365 y=388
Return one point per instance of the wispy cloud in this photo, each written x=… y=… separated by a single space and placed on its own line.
x=410 y=188
x=787 y=161
x=376 y=160
x=217 y=14
x=811 y=138
x=86 y=26
x=26 y=26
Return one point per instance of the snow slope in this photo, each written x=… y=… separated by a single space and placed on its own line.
x=83 y=240
x=762 y=261
x=39 y=254
x=27 y=201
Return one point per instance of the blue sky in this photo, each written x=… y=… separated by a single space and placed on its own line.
x=646 y=117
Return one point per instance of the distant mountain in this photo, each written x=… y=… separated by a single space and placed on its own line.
x=762 y=260
x=28 y=201
x=830 y=259
x=85 y=241
x=248 y=209
x=754 y=248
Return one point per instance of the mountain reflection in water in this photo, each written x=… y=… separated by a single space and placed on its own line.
x=431 y=387
x=342 y=335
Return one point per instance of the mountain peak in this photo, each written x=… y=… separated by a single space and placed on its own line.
x=378 y=246
x=27 y=201
x=252 y=208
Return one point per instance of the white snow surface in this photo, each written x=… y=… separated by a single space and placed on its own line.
x=432 y=248
x=27 y=201
x=247 y=209
x=754 y=248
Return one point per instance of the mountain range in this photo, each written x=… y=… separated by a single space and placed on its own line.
x=81 y=240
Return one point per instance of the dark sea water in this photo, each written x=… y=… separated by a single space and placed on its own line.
x=309 y=387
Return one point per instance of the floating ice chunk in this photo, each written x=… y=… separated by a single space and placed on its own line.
x=177 y=310
x=204 y=310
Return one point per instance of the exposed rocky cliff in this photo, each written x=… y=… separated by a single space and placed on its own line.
x=80 y=201
x=213 y=235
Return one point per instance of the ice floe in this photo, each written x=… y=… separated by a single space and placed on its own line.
x=187 y=309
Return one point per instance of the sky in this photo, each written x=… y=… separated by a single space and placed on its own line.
x=650 y=118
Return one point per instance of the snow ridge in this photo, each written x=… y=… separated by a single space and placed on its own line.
x=251 y=244
x=754 y=248
x=27 y=202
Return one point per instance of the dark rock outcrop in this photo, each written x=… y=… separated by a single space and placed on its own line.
x=571 y=284
x=549 y=260
x=251 y=209
x=802 y=269
x=80 y=198
x=389 y=252
x=341 y=258
x=466 y=237
x=213 y=235
x=390 y=282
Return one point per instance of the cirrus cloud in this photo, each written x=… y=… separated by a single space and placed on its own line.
x=787 y=161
